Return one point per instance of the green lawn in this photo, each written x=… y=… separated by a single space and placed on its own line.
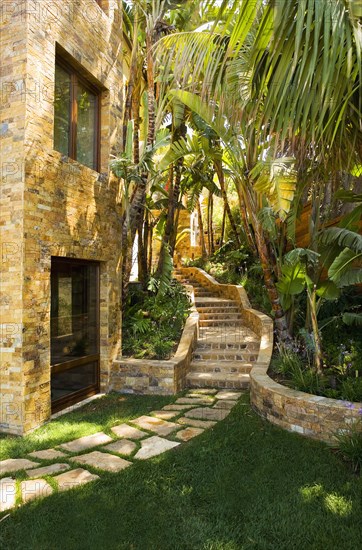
x=242 y=485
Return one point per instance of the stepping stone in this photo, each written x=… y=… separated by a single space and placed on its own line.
x=202 y=391
x=160 y=427
x=15 y=464
x=123 y=430
x=48 y=470
x=154 y=446
x=123 y=447
x=208 y=414
x=35 y=488
x=196 y=423
x=177 y=407
x=74 y=478
x=224 y=404
x=165 y=415
x=189 y=433
x=103 y=461
x=7 y=493
x=194 y=401
x=47 y=454
x=228 y=394
x=207 y=398
x=86 y=442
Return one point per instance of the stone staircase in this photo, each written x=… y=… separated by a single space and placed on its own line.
x=226 y=348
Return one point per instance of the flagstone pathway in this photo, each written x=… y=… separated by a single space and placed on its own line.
x=142 y=438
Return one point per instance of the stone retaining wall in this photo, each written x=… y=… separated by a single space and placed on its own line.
x=309 y=415
x=161 y=377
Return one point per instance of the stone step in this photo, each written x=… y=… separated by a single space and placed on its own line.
x=225 y=315
x=225 y=367
x=220 y=308
x=217 y=380
x=213 y=301
x=209 y=344
x=222 y=322
x=204 y=354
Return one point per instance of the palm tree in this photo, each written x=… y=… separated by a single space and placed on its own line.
x=281 y=81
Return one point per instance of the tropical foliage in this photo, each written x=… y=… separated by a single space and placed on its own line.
x=154 y=321
x=261 y=99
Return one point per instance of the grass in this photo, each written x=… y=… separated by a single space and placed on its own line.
x=242 y=485
x=98 y=415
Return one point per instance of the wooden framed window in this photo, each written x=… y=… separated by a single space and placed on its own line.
x=76 y=116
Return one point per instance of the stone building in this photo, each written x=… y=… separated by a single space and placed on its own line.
x=61 y=86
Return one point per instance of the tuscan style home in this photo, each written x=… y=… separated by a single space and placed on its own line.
x=61 y=84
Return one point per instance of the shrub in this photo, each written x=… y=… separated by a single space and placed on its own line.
x=349 y=445
x=297 y=371
x=351 y=389
x=152 y=325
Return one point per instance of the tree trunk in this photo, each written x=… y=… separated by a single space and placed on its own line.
x=210 y=227
x=201 y=227
x=221 y=178
x=150 y=250
x=136 y=101
x=142 y=253
x=222 y=227
x=280 y=320
x=174 y=232
x=150 y=87
x=133 y=73
x=318 y=356
x=244 y=217
x=169 y=236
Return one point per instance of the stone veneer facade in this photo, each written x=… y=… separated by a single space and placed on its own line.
x=52 y=205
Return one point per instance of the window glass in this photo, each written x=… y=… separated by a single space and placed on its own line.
x=86 y=127
x=62 y=110
x=74 y=306
x=75 y=117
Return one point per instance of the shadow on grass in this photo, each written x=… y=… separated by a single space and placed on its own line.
x=242 y=485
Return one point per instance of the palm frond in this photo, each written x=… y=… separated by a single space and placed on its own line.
x=166 y=275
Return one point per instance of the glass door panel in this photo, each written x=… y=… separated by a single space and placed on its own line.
x=74 y=330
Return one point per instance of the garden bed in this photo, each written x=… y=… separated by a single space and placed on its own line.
x=314 y=416
x=158 y=376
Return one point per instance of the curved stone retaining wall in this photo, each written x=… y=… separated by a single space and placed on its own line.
x=309 y=415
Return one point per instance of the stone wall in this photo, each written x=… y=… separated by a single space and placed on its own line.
x=309 y=415
x=54 y=206
x=158 y=377
x=13 y=52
